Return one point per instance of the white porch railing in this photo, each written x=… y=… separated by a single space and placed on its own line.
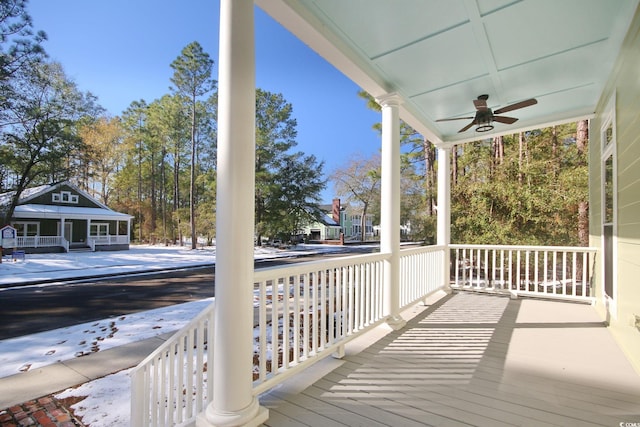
x=39 y=241
x=544 y=271
x=53 y=241
x=309 y=310
x=109 y=240
x=422 y=272
x=173 y=384
x=302 y=314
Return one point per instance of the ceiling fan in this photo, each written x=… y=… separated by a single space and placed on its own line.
x=484 y=116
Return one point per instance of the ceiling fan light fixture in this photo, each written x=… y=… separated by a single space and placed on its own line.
x=485 y=127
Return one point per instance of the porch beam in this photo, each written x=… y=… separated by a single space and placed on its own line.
x=233 y=402
x=390 y=207
x=444 y=209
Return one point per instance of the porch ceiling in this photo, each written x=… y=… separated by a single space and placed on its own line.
x=439 y=55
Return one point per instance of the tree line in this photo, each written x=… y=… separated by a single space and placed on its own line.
x=155 y=161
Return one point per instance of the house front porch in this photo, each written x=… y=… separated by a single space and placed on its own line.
x=470 y=359
x=480 y=353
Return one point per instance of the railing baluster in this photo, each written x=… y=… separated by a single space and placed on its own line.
x=262 y=330
x=171 y=393
x=536 y=270
x=341 y=295
x=275 y=314
x=296 y=317
x=331 y=315
x=574 y=273
x=322 y=316
x=156 y=392
x=189 y=375
x=313 y=283
x=305 y=316
x=564 y=272
x=286 y=315
x=555 y=271
x=518 y=276
x=457 y=267
x=464 y=267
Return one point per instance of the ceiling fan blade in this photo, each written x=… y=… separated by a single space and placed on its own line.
x=504 y=119
x=455 y=118
x=481 y=104
x=467 y=127
x=517 y=105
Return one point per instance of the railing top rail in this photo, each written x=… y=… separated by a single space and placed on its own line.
x=305 y=267
x=527 y=247
x=429 y=248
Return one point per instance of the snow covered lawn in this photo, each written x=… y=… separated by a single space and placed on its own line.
x=21 y=354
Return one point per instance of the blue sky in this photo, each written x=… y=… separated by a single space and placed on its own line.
x=121 y=51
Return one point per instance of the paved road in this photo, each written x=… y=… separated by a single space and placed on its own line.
x=34 y=309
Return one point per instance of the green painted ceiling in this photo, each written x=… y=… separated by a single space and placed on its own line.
x=439 y=55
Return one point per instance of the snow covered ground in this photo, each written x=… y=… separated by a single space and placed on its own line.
x=107 y=399
x=48 y=267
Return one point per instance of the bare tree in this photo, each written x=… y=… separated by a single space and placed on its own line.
x=358 y=182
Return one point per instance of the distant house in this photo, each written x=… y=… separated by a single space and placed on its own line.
x=61 y=217
x=325 y=226
x=334 y=219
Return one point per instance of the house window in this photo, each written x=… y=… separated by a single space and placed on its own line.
x=65 y=197
x=26 y=229
x=99 y=230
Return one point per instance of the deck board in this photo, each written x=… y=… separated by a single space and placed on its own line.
x=473 y=359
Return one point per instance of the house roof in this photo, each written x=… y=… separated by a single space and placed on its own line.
x=37 y=211
x=32 y=210
x=440 y=55
x=328 y=220
x=5 y=198
x=33 y=192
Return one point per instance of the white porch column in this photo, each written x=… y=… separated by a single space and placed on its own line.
x=390 y=207
x=444 y=209
x=61 y=229
x=233 y=402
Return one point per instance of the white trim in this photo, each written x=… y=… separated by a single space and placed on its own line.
x=608 y=150
x=36 y=211
x=62 y=233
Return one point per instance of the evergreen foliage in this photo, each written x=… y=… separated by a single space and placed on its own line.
x=529 y=197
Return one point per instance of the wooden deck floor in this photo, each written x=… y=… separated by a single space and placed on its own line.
x=472 y=359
